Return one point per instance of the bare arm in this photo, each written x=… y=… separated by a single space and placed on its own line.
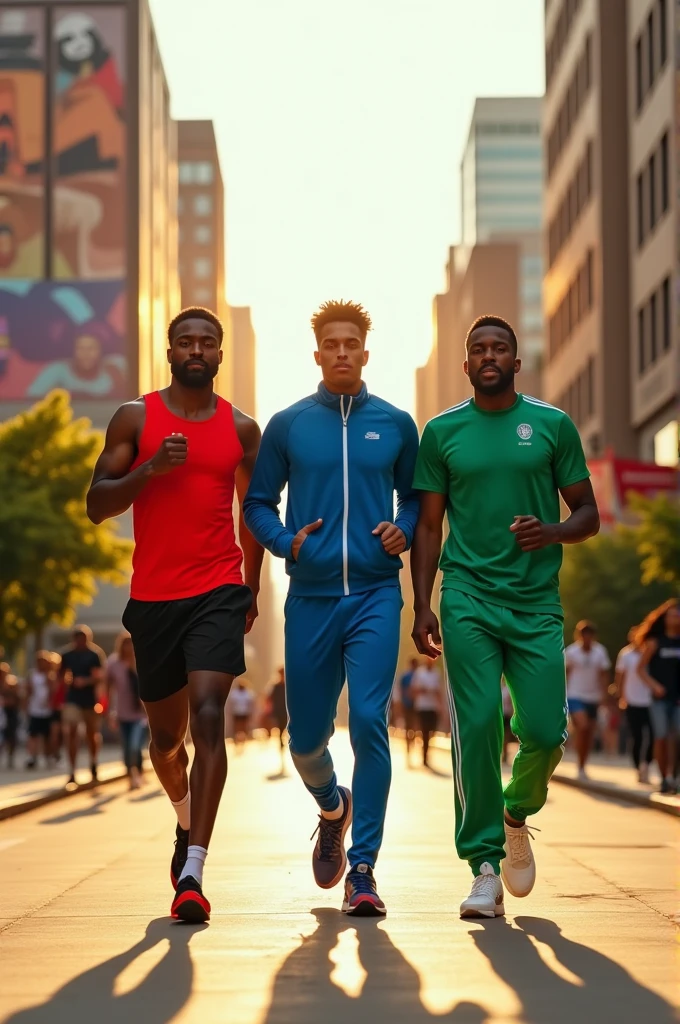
x=249 y=435
x=114 y=487
x=584 y=521
x=425 y=552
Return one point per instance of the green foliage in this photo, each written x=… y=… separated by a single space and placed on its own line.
x=51 y=555
x=602 y=580
x=658 y=537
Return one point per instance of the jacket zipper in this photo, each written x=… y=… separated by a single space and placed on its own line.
x=345 y=487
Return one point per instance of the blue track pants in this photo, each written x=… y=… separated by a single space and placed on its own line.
x=328 y=640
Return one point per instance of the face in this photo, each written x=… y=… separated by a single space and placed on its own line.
x=341 y=355
x=587 y=637
x=491 y=362
x=87 y=353
x=80 y=640
x=672 y=620
x=43 y=665
x=195 y=354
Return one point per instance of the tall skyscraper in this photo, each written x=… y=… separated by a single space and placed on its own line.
x=586 y=288
x=654 y=149
x=202 y=262
x=88 y=223
x=502 y=198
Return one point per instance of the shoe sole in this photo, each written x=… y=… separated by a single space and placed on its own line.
x=191 y=910
x=365 y=908
x=346 y=795
x=472 y=913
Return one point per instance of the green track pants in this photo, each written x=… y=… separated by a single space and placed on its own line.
x=483 y=641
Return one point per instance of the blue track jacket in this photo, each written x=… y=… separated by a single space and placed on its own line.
x=342 y=457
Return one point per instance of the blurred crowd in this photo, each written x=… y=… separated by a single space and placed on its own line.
x=623 y=706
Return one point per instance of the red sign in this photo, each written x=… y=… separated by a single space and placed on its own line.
x=614 y=479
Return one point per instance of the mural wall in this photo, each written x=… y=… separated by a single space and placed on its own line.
x=62 y=312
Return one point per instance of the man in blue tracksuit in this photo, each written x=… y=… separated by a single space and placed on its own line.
x=343 y=453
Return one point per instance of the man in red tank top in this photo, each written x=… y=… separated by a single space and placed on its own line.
x=176 y=456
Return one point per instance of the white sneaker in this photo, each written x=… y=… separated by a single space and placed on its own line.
x=643 y=774
x=486 y=896
x=582 y=775
x=518 y=870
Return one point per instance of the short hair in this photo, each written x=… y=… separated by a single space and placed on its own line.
x=196 y=313
x=333 y=311
x=585 y=625
x=489 y=320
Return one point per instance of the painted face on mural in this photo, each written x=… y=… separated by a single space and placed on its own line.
x=79 y=42
x=87 y=355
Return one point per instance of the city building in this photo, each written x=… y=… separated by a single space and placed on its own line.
x=243 y=373
x=655 y=228
x=202 y=261
x=88 y=225
x=587 y=241
x=502 y=198
x=480 y=279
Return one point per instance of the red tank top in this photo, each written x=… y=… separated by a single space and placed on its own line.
x=184 y=522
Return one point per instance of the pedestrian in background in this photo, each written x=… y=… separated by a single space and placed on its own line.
x=58 y=698
x=588 y=665
x=82 y=669
x=241 y=703
x=125 y=707
x=638 y=698
x=10 y=701
x=659 y=638
x=426 y=687
x=41 y=682
x=278 y=712
x=408 y=710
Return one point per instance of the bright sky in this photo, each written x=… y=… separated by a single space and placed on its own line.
x=341 y=127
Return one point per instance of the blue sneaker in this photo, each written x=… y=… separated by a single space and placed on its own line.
x=361 y=896
x=329 y=859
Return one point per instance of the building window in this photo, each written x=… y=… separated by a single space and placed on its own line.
x=651 y=177
x=664 y=173
x=202 y=267
x=641 y=341
x=652 y=328
x=186 y=175
x=639 y=90
x=663 y=32
x=640 y=210
x=574 y=200
x=203 y=234
x=576 y=303
x=666 y=313
x=567 y=116
x=203 y=205
x=650 y=50
x=204 y=173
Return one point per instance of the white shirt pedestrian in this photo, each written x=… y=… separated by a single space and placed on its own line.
x=635 y=692
x=426 y=687
x=584 y=668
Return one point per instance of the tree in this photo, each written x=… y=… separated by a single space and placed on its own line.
x=602 y=580
x=51 y=555
x=658 y=536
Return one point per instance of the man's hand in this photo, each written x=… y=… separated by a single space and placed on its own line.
x=301 y=536
x=532 y=535
x=252 y=612
x=171 y=453
x=393 y=539
x=658 y=690
x=426 y=633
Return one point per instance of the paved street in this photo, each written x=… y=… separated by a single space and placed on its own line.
x=85 y=936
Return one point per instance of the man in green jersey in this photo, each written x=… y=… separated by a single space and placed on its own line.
x=497 y=464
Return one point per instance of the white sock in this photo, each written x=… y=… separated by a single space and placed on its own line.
x=183 y=811
x=194 y=864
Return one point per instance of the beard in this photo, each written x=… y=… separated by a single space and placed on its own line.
x=496 y=385
x=193 y=377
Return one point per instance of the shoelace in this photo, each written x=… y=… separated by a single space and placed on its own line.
x=485 y=885
x=519 y=843
x=362 y=883
x=329 y=836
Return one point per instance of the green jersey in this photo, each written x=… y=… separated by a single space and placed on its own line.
x=493 y=466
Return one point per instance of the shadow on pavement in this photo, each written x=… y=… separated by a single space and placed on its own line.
x=303 y=992
x=96 y=807
x=157 y=999
x=601 y=991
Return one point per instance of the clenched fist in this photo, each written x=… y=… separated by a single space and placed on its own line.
x=171 y=453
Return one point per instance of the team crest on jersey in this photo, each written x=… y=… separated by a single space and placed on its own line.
x=371 y=436
x=524 y=431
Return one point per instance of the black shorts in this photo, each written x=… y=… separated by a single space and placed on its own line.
x=194 y=634
x=38 y=726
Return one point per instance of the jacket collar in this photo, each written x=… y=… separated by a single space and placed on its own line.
x=326 y=397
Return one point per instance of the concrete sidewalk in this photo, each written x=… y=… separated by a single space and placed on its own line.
x=23 y=790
